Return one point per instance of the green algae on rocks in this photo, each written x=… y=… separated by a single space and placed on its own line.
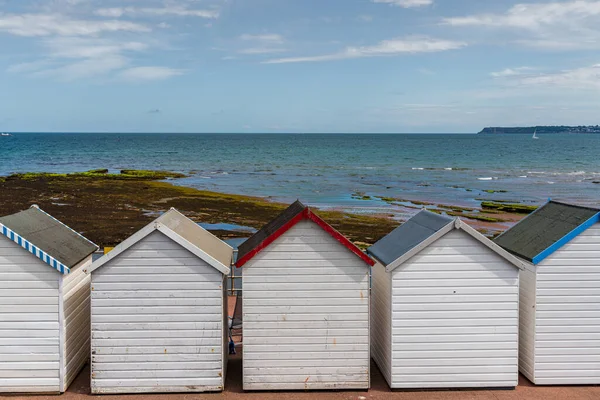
x=126 y=174
x=508 y=207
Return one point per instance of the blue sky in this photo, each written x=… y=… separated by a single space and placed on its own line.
x=297 y=65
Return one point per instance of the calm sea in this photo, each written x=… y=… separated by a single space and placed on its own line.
x=325 y=170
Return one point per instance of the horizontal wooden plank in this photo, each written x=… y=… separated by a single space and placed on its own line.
x=349 y=316
x=359 y=281
x=143 y=359
x=125 y=260
x=456 y=282
x=156 y=350
x=437 y=323
x=472 y=353
x=109 y=310
x=29 y=285
x=457 y=306
x=295 y=270
x=301 y=354
x=28 y=382
x=307 y=386
x=453 y=362
x=416 y=372
x=454 y=290
x=156 y=326
x=307 y=324
x=283 y=348
x=28 y=365
x=299 y=308
x=11 y=293
x=361 y=363
x=105 y=279
x=158 y=374
x=301 y=378
x=308 y=332
x=305 y=255
x=317 y=263
x=456 y=298
x=142 y=269
x=249 y=340
x=171 y=333
x=28 y=341
x=426 y=314
x=150 y=318
x=165 y=285
x=424 y=339
x=157 y=294
x=29 y=308
x=166 y=342
x=153 y=389
x=435 y=346
x=157 y=384
x=285 y=286
x=26 y=317
x=304 y=294
x=28 y=374
x=100 y=366
x=25 y=356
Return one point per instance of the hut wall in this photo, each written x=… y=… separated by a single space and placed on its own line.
x=306 y=314
x=76 y=322
x=527 y=295
x=29 y=322
x=455 y=317
x=381 y=320
x=567 y=347
x=157 y=321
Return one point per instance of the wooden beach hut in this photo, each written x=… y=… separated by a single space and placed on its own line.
x=305 y=306
x=44 y=303
x=559 y=339
x=159 y=311
x=444 y=307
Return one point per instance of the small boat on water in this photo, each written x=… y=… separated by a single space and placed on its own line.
x=534 y=135
x=5 y=134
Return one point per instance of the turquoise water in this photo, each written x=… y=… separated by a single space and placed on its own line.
x=325 y=170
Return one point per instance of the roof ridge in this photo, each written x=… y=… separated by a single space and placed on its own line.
x=575 y=205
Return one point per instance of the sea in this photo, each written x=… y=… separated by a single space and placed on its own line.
x=354 y=172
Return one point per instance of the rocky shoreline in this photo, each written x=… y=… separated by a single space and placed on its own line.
x=108 y=208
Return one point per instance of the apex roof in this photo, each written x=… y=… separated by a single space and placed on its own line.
x=547 y=229
x=419 y=232
x=281 y=224
x=184 y=231
x=47 y=238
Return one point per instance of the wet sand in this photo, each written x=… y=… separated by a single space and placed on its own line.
x=107 y=208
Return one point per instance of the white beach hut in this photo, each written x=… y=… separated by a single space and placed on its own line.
x=444 y=307
x=559 y=339
x=159 y=311
x=305 y=306
x=44 y=303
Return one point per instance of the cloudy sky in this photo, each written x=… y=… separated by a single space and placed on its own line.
x=297 y=65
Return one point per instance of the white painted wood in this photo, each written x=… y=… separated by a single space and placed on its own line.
x=76 y=323
x=567 y=313
x=381 y=320
x=306 y=314
x=29 y=322
x=153 y=331
x=454 y=316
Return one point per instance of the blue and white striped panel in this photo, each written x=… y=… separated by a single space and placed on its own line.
x=36 y=251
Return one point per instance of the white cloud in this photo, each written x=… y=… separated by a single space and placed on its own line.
x=262 y=44
x=173 y=10
x=567 y=25
x=149 y=73
x=264 y=38
x=508 y=72
x=406 y=3
x=410 y=45
x=579 y=78
x=55 y=24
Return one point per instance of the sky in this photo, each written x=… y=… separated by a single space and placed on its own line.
x=313 y=66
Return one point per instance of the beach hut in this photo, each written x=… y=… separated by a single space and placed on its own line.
x=559 y=340
x=159 y=311
x=305 y=306
x=44 y=303
x=445 y=307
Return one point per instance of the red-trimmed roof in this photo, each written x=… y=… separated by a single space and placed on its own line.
x=281 y=224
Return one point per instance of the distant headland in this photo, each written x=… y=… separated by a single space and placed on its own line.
x=541 y=129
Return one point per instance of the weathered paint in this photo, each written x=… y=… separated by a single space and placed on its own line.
x=381 y=317
x=44 y=322
x=306 y=314
x=567 y=313
x=76 y=322
x=454 y=317
x=154 y=331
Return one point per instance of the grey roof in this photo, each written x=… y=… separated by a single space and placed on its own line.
x=408 y=235
x=50 y=235
x=198 y=236
x=270 y=228
x=543 y=228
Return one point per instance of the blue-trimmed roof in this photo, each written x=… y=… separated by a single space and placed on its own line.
x=407 y=236
x=546 y=230
x=47 y=238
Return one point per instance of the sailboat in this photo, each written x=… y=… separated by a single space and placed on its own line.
x=6 y=134
x=534 y=135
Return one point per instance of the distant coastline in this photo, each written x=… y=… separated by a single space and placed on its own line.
x=553 y=129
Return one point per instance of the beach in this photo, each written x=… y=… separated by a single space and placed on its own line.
x=109 y=207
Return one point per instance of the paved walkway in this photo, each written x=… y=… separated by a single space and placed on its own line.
x=80 y=390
